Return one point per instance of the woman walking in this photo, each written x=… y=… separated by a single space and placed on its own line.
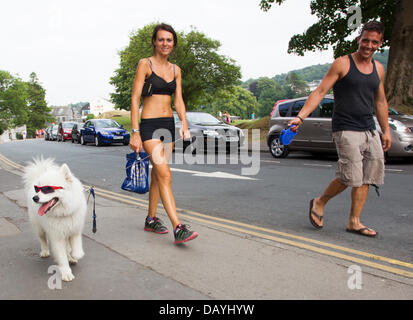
x=156 y=80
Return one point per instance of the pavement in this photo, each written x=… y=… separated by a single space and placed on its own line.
x=228 y=261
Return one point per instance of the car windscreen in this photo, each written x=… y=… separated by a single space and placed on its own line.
x=68 y=124
x=202 y=118
x=106 y=124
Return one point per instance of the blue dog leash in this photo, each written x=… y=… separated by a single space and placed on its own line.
x=92 y=192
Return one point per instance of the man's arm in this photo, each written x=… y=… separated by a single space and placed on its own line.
x=333 y=74
x=382 y=109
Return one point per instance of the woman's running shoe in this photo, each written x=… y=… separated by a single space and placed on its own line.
x=155 y=225
x=182 y=234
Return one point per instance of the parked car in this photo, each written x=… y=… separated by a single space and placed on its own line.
x=64 y=131
x=47 y=133
x=212 y=131
x=103 y=131
x=315 y=134
x=75 y=134
x=53 y=132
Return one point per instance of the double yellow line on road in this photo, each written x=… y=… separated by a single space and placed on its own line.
x=269 y=234
x=313 y=245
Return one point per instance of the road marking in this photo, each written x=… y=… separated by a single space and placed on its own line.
x=271 y=161
x=216 y=174
x=11 y=163
x=228 y=224
x=318 y=165
x=394 y=170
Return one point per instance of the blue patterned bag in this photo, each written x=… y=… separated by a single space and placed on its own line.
x=137 y=173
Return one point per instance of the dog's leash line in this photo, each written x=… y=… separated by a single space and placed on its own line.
x=92 y=192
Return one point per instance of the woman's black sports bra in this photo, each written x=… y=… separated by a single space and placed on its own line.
x=154 y=84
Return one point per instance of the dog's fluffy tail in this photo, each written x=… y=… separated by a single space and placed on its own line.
x=36 y=168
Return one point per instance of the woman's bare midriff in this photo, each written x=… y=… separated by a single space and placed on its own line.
x=156 y=106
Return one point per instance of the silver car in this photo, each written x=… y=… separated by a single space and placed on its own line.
x=315 y=134
x=209 y=131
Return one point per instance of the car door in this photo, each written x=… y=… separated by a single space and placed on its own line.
x=302 y=138
x=87 y=132
x=321 y=134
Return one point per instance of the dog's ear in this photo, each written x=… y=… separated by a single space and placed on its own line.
x=66 y=171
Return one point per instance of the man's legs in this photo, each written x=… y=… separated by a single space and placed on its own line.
x=358 y=199
x=334 y=188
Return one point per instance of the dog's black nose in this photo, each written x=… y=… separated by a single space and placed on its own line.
x=36 y=199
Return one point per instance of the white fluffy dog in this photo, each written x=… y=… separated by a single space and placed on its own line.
x=57 y=208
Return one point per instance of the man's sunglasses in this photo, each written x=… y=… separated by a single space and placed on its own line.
x=46 y=189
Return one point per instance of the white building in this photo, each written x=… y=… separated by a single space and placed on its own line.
x=101 y=105
x=313 y=84
x=10 y=134
x=63 y=113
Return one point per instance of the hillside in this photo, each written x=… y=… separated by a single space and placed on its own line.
x=317 y=72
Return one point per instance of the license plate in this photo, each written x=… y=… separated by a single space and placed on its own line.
x=117 y=137
x=232 y=139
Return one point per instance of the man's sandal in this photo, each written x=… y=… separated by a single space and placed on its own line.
x=317 y=226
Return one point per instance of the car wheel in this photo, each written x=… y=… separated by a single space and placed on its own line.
x=82 y=140
x=277 y=149
x=97 y=141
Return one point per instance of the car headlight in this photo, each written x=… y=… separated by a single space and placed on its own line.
x=211 y=133
x=399 y=126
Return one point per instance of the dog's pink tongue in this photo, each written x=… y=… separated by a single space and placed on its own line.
x=45 y=207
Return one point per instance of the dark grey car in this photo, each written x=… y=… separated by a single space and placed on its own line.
x=207 y=129
x=75 y=134
x=315 y=134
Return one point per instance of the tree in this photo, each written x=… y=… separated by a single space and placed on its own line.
x=298 y=85
x=237 y=101
x=332 y=29
x=38 y=111
x=204 y=71
x=13 y=94
x=268 y=92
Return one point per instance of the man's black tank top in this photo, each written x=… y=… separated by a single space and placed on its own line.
x=154 y=84
x=354 y=99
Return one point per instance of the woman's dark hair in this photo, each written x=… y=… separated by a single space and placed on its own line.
x=373 y=26
x=165 y=27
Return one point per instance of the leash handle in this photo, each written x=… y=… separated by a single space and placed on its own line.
x=92 y=192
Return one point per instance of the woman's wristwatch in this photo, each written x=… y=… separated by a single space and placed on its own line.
x=135 y=130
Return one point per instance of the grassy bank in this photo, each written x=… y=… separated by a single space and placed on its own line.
x=262 y=124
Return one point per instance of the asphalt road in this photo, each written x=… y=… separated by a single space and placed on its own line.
x=276 y=197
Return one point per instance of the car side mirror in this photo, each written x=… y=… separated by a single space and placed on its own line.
x=121 y=126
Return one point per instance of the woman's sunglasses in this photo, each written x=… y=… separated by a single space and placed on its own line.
x=46 y=189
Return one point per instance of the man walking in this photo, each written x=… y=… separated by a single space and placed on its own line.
x=358 y=86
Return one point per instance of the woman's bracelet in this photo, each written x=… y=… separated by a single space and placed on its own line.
x=297 y=116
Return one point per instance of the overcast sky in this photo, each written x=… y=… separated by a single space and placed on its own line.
x=73 y=45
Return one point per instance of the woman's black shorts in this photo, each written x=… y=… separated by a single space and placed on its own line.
x=158 y=128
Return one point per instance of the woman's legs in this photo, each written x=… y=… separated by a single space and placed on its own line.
x=161 y=180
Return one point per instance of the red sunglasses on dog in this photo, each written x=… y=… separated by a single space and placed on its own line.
x=46 y=189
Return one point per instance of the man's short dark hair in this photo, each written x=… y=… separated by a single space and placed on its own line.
x=373 y=26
